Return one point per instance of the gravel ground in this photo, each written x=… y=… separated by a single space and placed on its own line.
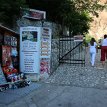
x=81 y=76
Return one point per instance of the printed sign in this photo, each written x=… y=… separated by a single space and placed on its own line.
x=45 y=51
x=33 y=14
x=46 y=43
x=78 y=38
x=35 y=50
x=45 y=65
x=30 y=49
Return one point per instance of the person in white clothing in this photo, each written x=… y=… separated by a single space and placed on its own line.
x=92 y=51
x=104 y=50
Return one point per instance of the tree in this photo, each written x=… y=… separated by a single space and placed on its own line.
x=10 y=10
x=76 y=14
x=72 y=13
x=92 y=6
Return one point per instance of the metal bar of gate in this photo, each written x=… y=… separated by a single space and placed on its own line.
x=67 y=55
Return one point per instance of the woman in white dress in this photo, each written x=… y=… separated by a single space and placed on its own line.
x=92 y=51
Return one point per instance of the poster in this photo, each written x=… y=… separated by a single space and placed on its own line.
x=30 y=49
x=6 y=55
x=45 y=65
x=2 y=77
x=35 y=50
x=46 y=43
x=45 y=51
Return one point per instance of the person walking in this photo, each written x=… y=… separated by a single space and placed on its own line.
x=92 y=51
x=104 y=50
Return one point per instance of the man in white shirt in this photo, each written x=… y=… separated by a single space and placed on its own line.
x=104 y=50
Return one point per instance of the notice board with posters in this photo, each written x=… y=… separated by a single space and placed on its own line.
x=45 y=51
x=35 y=49
x=9 y=57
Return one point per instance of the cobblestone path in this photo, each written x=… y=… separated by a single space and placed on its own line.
x=87 y=76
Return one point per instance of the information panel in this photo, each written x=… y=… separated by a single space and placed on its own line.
x=45 y=50
x=35 y=50
x=30 y=49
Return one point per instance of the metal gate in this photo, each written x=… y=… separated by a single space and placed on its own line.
x=71 y=52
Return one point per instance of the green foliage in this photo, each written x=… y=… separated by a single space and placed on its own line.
x=10 y=10
x=74 y=14
x=87 y=37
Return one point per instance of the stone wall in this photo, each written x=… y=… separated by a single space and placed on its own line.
x=54 y=54
x=23 y=22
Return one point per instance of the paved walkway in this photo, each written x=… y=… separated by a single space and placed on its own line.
x=10 y=97
x=69 y=86
x=87 y=76
x=98 y=64
x=49 y=95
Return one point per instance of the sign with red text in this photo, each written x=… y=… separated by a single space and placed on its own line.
x=33 y=14
x=45 y=50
